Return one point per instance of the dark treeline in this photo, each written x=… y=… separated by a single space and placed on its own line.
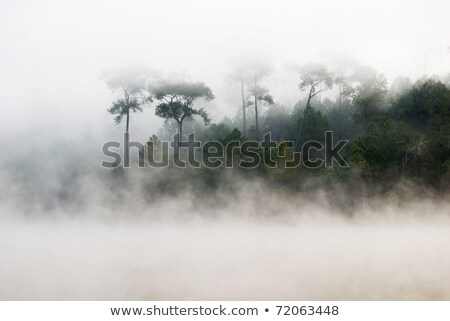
x=399 y=137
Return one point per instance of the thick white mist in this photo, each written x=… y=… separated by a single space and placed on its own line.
x=311 y=256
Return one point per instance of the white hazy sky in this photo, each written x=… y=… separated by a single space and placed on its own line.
x=53 y=52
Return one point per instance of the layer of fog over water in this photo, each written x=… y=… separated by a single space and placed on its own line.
x=64 y=236
x=288 y=248
x=303 y=253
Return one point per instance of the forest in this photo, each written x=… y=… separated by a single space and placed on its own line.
x=398 y=136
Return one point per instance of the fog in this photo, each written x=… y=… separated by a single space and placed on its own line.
x=257 y=245
x=53 y=54
x=70 y=230
x=303 y=255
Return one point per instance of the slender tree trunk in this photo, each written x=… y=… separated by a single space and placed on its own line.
x=128 y=122
x=126 y=154
x=180 y=133
x=340 y=112
x=256 y=118
x=299 y=131
x=256 y=112
x=243 y=107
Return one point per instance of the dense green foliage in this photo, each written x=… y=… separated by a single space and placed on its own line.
x=398 y=138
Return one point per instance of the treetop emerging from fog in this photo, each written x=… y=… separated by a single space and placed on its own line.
x=168 y=90
x=176 y=101
x=312 y=75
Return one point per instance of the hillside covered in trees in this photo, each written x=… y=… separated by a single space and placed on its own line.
x=398 y=136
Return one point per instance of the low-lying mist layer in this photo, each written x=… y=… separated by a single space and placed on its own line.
x=253 y=243
x=314 y=257
x=139 y=234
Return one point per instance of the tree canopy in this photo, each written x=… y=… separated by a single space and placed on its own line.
x=177 y=101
